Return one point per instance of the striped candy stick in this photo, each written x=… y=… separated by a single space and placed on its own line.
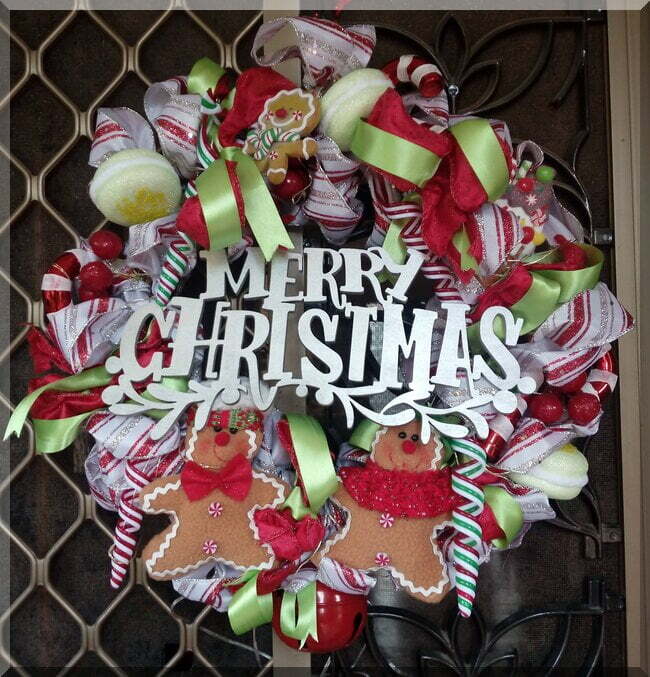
x=174 y=268
x=468 y=539
x=129 y=523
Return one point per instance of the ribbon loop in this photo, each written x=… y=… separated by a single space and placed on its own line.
x=394 y=154
x=298 y=618
x=247 y=609
x=219 y=200
x=481 y=147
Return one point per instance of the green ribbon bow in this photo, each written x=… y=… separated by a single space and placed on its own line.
x=298 y=617
x=247 y=609
x=52 y=435
x=205 y=74
x=56 y=434
x=315 y=465
x=507 y=513
x=549 y=290
x=217 y=197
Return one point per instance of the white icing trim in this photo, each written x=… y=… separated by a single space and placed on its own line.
x=276 y=170
x=292 y=92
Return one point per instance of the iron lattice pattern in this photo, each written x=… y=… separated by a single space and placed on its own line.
x=527 y=68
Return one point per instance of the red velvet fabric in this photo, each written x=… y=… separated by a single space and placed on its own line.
x=573 y=258
x=253 y=88
x=234 y=480
x=190 y=220
x=287 y=537
x=505 y=292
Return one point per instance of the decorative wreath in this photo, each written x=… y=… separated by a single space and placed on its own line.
x=267 y=521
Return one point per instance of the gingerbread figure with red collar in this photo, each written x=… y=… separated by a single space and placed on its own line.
x=212 y=501
x=395 y=506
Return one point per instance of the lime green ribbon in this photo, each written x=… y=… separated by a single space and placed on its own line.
x=247 y=609
x=204 y=75
x=219 y=204
x=298 y=617
x=549 y=290
x=481 y=147
x=52 y=435
x=56 y=434
x=394 y=154
x=315 y=465
x=507 y=513
x=460 y=240
x=364 y=434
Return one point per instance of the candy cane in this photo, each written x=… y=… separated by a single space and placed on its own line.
x=410 y=68
x=130 y=521
x=58 y=281
x=174 y=268
x=469 y=535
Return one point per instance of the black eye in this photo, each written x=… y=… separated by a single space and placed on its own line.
x=217 y=428
x=401 y=435
x=233 y=431
x=415 y=438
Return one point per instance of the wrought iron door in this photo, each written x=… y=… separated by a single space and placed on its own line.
x=553 y=602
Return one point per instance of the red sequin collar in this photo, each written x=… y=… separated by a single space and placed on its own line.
x=399 y=492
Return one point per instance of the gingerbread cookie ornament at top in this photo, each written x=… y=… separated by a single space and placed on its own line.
x=270 y=522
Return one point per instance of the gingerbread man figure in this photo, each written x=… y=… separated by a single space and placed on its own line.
x=282 y=132
x=395 y=505
x=212 y=501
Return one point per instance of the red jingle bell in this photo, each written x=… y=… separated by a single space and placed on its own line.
x=546 y=407
x=340 y=618
x=106 y=244
x=296 y=182
x=583 y=408
x=95 y=276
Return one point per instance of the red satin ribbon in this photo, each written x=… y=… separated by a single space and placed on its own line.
x=289 y=538
x=234 y=480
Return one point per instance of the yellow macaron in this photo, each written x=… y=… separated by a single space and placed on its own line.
x=135 y=186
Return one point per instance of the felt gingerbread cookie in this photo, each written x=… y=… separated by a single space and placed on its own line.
x=396 y=504
x=213 y=500
x=282 y=132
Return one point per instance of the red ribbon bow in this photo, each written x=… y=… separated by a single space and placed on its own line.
x=288 y=538
x=234 y=480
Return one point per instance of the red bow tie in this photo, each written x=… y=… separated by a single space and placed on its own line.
x=234 y=480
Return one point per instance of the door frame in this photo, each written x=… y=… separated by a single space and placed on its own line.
x=628 y=33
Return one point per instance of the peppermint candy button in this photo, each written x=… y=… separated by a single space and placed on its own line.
x=209 y=547
x=382 y=559
x=386 y=520
x=215 y=509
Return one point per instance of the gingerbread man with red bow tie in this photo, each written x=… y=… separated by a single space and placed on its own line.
x=212 y=501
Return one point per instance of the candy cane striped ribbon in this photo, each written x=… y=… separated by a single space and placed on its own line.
x=174 y=268
x=129 y=523
x=388 y=210
x=468 y=539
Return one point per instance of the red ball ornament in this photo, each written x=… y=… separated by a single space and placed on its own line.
x=294 y=184
x=526 y=185
x=106 y=244
x=95 y=276
x=547 y=407
x=529 y=234
x=340 y=618
x=583 y=408
x=89 y=295
x=575 y=385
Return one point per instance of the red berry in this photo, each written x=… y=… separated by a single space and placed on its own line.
x=526 y=185
x=294 y=183
x=89 y=295
x=547 y=407
x=529 y=234
x=106 y=244
x=583 y=408
x=95 y=276
x=574 y=385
